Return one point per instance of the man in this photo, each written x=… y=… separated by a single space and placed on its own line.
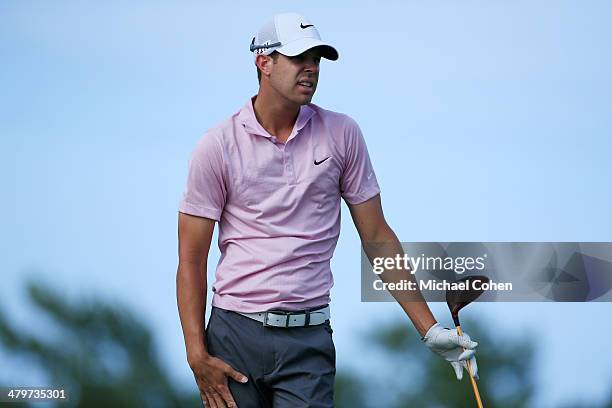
x=272 y=175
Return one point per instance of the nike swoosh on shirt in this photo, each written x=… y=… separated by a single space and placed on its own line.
x=306 y=26
x=319 y=162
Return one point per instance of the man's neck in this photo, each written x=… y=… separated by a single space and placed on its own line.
x=276 y=116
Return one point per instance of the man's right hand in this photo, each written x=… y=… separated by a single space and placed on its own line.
x=211 y=376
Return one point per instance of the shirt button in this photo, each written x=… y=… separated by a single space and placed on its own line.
x=274 y=139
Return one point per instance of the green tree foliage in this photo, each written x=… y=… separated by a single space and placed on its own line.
x=106 y=357
x=420 y=378
x=102 y=354
x=349 y=391
x=406 y=374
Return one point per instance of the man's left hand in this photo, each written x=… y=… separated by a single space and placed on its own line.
x=454 y=348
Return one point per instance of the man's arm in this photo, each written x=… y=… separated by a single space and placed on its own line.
x=379 y=240
x=195 y=235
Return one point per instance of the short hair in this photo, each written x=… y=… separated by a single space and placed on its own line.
x=274 y=56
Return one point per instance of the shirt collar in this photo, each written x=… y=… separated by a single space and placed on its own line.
x=249 y=120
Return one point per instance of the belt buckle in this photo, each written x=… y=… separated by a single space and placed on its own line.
x=279 y=312
x=288 y=315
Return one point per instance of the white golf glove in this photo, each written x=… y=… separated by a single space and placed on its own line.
x=448 y=344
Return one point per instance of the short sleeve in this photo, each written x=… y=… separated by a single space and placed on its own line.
x=205 y=192
x=358 y=182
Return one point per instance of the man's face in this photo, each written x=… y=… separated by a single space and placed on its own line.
x=295 y=78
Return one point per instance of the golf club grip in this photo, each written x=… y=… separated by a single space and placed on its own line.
x=472 y=380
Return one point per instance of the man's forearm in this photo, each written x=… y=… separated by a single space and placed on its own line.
x=191 y=298
x=387 y=245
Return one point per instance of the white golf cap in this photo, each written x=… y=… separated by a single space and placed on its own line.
x=290 y=34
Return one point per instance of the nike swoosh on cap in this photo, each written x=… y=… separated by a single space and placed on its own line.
x=306 y=26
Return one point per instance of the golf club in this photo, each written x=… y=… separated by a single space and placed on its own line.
x=457 y=300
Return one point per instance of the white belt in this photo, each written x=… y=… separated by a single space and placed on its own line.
x=291 y=319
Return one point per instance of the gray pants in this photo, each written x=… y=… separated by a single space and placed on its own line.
x=287 y=367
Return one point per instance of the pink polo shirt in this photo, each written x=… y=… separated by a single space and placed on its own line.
x=278 y=205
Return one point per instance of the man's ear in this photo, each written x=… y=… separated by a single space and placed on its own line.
x=264 y=63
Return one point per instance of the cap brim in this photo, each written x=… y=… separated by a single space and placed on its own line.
x=304 y=44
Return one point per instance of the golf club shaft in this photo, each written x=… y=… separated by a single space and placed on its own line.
x=473 y=381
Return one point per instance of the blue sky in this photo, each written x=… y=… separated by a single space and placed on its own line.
x=485 y=121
